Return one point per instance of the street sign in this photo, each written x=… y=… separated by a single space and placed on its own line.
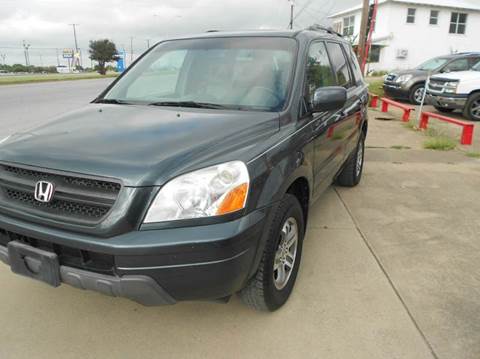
x=67 y=53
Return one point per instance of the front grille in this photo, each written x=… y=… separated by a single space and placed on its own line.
x=76 y=199
x=68 y=256
x=74 y=181
x=437 y=85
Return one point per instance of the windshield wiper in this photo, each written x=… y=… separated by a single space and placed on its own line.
x=111 y=100
x=191 y=104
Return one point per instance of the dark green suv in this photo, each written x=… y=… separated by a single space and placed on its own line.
x=192 y=175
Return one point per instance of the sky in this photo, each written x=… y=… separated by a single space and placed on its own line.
x=44 y=24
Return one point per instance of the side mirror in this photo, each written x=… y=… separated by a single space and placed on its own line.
x=329 y=98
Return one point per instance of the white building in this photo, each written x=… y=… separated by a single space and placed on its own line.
x=409 y=32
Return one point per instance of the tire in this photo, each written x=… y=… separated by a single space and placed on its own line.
x=351 y=174
x=264 y=291
x=444 y=110
x=414 y=94
x=472 y=108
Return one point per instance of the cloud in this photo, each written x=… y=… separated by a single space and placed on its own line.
x=44 y=23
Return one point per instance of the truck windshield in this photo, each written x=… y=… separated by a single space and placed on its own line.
x=244 y=73
x=433 y=64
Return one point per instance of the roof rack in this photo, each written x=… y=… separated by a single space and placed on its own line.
x=317 y=27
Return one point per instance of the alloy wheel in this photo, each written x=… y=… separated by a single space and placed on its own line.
x=418 y=95
x=475 y=111
x=359 y=165
x=286 y=253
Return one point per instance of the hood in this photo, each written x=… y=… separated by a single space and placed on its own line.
x=413 y=72
x=462 y=76
x=141 y=145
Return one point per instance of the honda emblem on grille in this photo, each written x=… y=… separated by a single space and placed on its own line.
x=44 y=191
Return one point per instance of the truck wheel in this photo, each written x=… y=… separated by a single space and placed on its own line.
x=352 y=172
x=472 y=108
x=273 y=283
x=416 y=94
x=444 y=110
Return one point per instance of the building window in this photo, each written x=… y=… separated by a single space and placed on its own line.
x=458 y=23
x=434 y=17
x=348 y=26
x=337 y=27
x=411 y=16
x=374 y=56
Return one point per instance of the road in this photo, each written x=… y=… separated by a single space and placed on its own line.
x=23 y=107
x=390 y=270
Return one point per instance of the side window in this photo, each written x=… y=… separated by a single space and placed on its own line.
x=319 y=70
x=473 y=61
x=457 y=65
x=357 y=72
x=339 y=64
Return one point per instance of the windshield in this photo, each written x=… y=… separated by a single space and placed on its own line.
x=432 y=64
x=476 y=67
x=235 y=73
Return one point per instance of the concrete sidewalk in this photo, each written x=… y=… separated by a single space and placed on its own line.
x=419 y=211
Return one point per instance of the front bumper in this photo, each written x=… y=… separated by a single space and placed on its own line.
x=454 y=102
x=157 y=266
x=396 y=91
x=141 y=289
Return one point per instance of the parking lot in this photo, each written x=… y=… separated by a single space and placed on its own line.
x=390 y=269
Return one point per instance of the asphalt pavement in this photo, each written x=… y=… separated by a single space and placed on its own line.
x=25 y=106
x=390 y=270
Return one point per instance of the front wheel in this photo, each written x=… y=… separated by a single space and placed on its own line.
x=416 y=94
x=273 y=283
x=472 y=109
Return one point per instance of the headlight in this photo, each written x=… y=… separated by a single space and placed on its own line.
x=208 y=192
x=404 y=78
x=4 y=139
x=451 y=87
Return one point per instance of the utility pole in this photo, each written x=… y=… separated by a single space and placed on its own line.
x=148 y=43
x=3 y=56
x=25 y=51
x=58 y=58
x=131 y=50
x=76 y=42
x=362 y=37
x=292 y=5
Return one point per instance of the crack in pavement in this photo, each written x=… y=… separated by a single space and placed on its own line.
x=390 y=281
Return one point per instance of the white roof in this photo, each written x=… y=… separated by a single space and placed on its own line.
x=454 y=4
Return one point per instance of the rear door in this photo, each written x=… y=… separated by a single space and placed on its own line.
x=319 y=73
x=346 y=130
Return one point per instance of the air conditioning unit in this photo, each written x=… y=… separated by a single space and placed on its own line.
x=402 y=53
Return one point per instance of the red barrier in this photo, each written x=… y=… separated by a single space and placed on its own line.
x=386 y=102
x=373 y=100
x=467 y=132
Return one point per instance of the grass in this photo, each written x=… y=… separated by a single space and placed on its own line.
x=22 y=79
x=376 y=87
x=410 y=125
x=440 y=143
x=473 y=154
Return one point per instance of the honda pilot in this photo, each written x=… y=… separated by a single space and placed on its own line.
x=192 y=175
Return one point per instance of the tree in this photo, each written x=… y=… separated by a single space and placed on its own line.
x=103 y=51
